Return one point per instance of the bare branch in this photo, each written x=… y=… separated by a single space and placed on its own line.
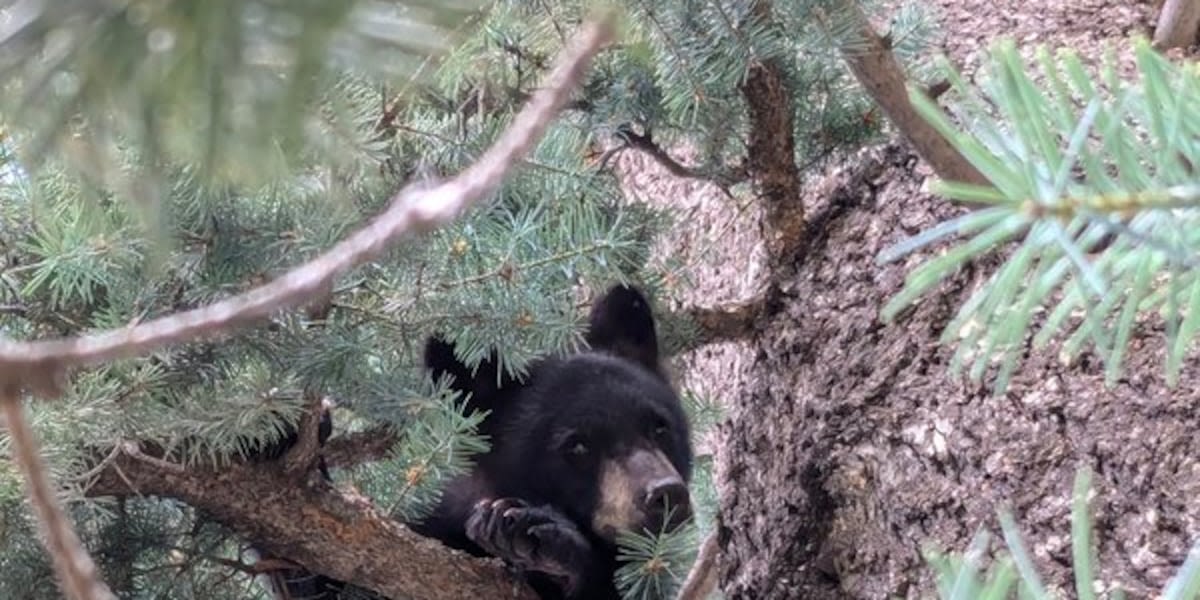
x=645 y=143
x=301 y=457
x=77 y=574
x=12 y=309
x=41 y=365
x=1178 y=24
x=881 y=75
x=703 y=576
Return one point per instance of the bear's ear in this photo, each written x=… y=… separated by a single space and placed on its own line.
x=621 y=324
x=481 y=384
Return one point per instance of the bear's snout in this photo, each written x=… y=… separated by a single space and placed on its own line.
x=640 y=491
x=666 y=502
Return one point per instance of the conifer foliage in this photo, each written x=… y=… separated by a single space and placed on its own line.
x=159 y=157
x=162 y=156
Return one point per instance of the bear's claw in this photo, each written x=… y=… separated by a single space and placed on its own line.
x=533 y=538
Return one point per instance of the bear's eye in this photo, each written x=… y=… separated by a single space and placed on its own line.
x=660 y=428
x=575 y=446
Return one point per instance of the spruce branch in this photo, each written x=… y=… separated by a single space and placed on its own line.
x=507 y=270
x=1092 y=193
x=281 y=56
x=416 y=209
x=77 y=573
x=871 y=60
x=334 y=532
x=234 y=495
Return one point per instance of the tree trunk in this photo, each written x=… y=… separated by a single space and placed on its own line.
x=854 y=450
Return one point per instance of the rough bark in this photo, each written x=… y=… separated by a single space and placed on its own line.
x=329 y=531
x=1178 y=24
x=726 y=322
x=854 y=450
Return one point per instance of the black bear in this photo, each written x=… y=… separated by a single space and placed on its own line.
x=585 y=446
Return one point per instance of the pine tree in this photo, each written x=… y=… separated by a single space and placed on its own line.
x=128 y=196
x=157 y=157
x=161 y=157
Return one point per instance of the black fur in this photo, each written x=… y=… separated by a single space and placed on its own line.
x=531 y=499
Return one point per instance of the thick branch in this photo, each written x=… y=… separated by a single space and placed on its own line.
x=1178 y=24
x=41 y=365
x=300 y=458
x=881 y=75
x=771 y=156
x=329 y=531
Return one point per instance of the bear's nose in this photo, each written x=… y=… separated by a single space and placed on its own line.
x=668 y=494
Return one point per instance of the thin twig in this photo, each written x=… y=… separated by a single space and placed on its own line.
x=136 y=453
x=703 y=577
x=646 y=143
x=41 y=365
x=103 y=464
x=77 y=573
x=13 y=309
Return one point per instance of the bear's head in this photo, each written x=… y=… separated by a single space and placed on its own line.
x=599 y=434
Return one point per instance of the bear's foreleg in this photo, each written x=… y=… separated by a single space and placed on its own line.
x=533 y=538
